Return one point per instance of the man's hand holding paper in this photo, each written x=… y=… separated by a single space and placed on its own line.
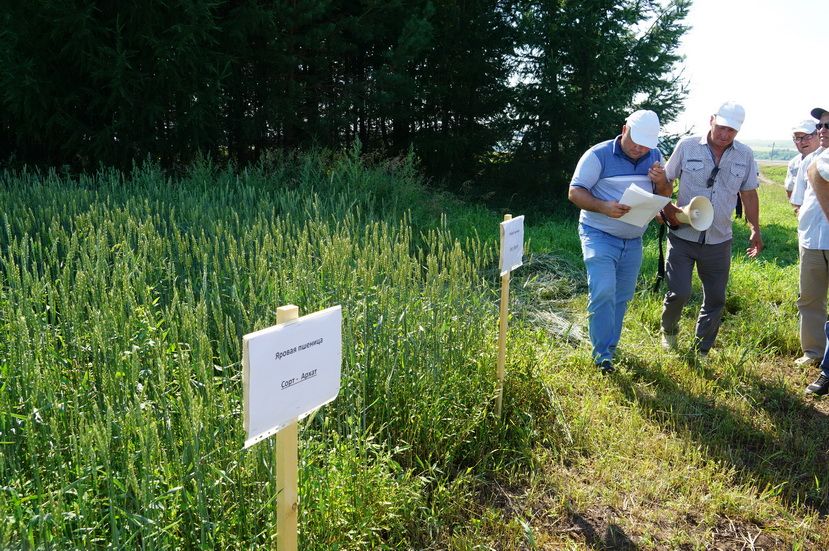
x=643 y=205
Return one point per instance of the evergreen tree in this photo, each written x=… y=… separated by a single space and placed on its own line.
x=584 y=65
x=463 y=82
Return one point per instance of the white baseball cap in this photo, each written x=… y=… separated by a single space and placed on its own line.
x=644 y=128
x=730 y=114
x=806 y=125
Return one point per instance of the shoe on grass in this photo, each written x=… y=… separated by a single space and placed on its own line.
x=606 y=367
x=806 y=360
x=668 y=341
x=820 y=387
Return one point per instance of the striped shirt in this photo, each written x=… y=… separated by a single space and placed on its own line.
x=606 y=172
x=693 y=163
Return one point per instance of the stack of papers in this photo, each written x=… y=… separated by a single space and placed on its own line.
x=643 y=205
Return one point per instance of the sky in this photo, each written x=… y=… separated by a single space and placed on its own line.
x=760 y=53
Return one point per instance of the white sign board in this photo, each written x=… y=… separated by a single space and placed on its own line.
x=289 y=370
x=512 y=244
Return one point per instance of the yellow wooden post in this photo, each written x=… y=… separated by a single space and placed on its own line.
x=502 y=335
x=286 y=467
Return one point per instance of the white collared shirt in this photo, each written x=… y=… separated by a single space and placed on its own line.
x=791 y=172
x=812 y=225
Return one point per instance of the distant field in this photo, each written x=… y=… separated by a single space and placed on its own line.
x=780 y=150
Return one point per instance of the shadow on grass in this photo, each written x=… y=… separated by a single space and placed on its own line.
x=789 y=460
x=611 y=538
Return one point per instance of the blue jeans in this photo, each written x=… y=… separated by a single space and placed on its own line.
x=612 y=269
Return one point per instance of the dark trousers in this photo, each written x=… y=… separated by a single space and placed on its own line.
x=713 y=263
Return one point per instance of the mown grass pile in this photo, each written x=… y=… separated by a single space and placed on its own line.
x=124 y=299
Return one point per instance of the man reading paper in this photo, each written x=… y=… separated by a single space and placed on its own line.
x=612 y=249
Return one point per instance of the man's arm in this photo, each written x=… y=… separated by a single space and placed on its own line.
x=799 y=189
x=673 y=172
x=788 y=182
x=751 y=211
x=820 y=185
x=587 y=173
x=585 y=200
x=656 y=173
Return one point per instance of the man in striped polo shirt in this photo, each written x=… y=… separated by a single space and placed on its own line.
x=612 y=249
x=718 y=167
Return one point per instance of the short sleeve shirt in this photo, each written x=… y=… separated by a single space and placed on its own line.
x=800 y=181
x=812 y=225
x=791 y=172
x=693 y=163
x=606 y=172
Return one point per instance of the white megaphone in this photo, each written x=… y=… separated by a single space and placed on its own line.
x=699 y=213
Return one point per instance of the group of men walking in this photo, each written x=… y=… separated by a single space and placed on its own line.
x=721 y=169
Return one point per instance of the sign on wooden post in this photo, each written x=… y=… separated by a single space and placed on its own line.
x=289 y=370
x=512 y=254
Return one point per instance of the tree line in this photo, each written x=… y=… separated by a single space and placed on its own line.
x=476 y=88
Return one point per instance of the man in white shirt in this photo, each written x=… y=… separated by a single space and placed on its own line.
x=818 y=175
x=813 y=241
x=805 y=140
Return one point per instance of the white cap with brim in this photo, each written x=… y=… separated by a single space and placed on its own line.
x=644 y=128
x=806 y=125
x=818 y=112
x=730 y=114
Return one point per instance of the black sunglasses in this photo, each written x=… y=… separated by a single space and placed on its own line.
x=713 y=177
x=820 y=125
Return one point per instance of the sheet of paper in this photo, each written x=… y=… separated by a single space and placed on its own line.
x=643 y=205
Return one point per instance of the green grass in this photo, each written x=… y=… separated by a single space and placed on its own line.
x=775 y=172
x=123 y=304
x=123 y=299
x=671 y=452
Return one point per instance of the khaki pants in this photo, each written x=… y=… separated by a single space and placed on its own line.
x=814 y=280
